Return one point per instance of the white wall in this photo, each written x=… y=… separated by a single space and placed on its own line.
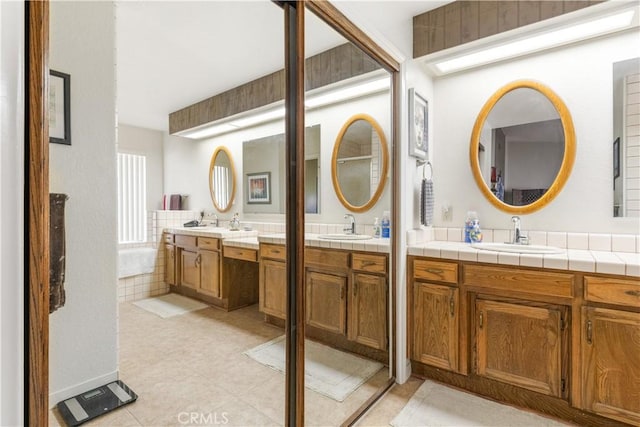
x=83 y=333
x=148 y=143
x=581 y=76
x=11 y=212
x=187 y=161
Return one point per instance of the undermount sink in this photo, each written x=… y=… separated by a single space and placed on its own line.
x=339 y=236
x=522 y=249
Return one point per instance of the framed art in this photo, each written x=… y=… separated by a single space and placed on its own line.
x=418 y=126
x=59 y=107
x=259 y=188
x=616 y=158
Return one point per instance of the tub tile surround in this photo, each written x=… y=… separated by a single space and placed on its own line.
x=588 y=252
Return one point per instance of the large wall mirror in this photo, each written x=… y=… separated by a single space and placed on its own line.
x=522 y=147
x=359 y=163
x=222 y=179
x=265 y=156
x=626 y=168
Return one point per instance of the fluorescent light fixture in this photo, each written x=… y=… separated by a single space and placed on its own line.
x=539 y=42
x=207 y=130
x=254 y=119
x=348 y=92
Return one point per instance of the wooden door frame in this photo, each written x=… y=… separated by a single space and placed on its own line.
x=36 y=200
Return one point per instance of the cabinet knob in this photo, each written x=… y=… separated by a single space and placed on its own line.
x=451 y=304
x=589 y=332
x=481 y=320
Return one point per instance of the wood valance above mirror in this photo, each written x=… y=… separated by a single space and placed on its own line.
x=359 y=163
x=522 y=147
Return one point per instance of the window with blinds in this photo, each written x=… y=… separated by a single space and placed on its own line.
x=132 y=196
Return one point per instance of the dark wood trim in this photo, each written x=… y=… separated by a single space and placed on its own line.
x=336 y=19
x=294 y=151
x=353 y=418
x=36 y=214
x=464 y=21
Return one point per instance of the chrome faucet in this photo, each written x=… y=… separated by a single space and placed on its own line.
x=215 y=219
x=350 y=228
x=518 y=237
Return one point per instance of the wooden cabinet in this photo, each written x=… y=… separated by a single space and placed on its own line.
x=272 y=288
x=610 y=341
x=346 y=293
x=189 y=268
x=435 y=325
x=326 y=301
x=521 y=344
x=209 y=273
x=170 y=264
x=199 y=264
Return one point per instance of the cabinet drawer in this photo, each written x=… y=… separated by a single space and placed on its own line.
x=367 y=262
x=519 y=280
x=272 y=251
x=210 y=243
x=612 y=291
x=240 y=253
x=167 y=238
x=185 y=241
x=326 y=258
x=435 y=270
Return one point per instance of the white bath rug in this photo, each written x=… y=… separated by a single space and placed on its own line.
x=330 y=372
x=438 y=405
x=170 y=305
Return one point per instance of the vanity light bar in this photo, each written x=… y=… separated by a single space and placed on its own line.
x=539 y=42
x=313 y=101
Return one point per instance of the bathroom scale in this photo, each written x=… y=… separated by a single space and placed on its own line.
x=93 y=403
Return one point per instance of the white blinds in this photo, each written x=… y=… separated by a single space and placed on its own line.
x=132 y=196
x=221 y=185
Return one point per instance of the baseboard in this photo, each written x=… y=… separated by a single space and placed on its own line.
x=68 y=392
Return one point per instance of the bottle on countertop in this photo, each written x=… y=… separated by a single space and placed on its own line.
x=385 y=225
x=234 y=224
x=376 y=227
x=472 y=232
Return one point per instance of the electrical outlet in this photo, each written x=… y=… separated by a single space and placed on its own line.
x=447 y=212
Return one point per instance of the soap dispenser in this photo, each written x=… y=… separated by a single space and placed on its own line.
x=472 y=232
x=234 y=224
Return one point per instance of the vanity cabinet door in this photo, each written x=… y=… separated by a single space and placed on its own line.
x=272 y=288
x=190 y=269
x=611 y=363
x=435 y=327
x=368 y=310
x=326 y=305
x=521 y=345
x=210 y=273
x=170 y=264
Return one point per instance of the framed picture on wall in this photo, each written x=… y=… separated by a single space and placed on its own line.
x=259 y=188
x=59 y=108
x=418 y=126
x=616 y=158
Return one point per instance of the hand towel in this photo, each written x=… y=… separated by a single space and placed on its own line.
x=426 y=202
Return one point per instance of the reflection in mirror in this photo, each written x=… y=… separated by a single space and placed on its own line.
x=626 y=168
x=222 y=179
x=267 y=155
x=521 y=142
x=359 y=164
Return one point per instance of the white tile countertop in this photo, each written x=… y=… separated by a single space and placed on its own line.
x=242 y=242
x=209 y=231
x=313 y=240
x=591 y=261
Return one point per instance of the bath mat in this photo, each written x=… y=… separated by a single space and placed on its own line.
x=438 y=405
x=170 y=305
x=330 y=372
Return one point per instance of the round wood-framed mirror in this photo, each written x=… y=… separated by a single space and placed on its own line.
x=359 y=163
x=522 y=147
x=222 y=179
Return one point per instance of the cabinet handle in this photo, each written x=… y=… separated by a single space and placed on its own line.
x=367 y=264
x=198 y=260
x=589 y=332
x=481 y=320
x=343 y=292
x=434 y=271
x=451 y=304
x=633 y=293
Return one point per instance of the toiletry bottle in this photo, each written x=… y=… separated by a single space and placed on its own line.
x=385 y=225
x=472 y=217
x=376 y=228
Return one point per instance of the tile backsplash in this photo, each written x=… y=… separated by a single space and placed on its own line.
x=585 y=241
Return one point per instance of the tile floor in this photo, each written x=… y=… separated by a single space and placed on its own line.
x=192 y=366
